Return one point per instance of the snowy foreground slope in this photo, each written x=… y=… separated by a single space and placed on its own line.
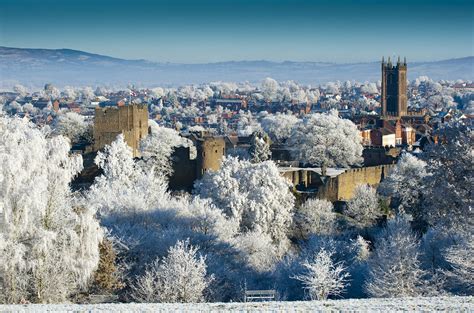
x=450 y=304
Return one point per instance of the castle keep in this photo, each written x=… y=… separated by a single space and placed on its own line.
x=131 y=121
x=394 y=89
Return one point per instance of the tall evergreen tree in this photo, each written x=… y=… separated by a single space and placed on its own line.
x=259 y=150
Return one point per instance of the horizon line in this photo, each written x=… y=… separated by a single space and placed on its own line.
x=229 y=61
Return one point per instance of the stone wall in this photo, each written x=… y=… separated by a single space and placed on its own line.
x=341 y=183
x=131 y=121
x=341 y=188
x=184 y=170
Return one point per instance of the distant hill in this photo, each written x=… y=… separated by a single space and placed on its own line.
x=35 y=67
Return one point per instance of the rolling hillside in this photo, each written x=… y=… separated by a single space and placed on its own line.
x=34 y=67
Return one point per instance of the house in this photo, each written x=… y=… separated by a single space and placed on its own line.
x=374 y=156
x=382 y=137
x=231 y=104
x=41 y=103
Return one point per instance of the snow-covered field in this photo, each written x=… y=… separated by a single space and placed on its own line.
x=449 y=304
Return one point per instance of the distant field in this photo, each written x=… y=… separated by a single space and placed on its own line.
x=450 y=304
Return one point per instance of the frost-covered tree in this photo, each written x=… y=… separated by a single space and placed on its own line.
x=362 y=249
x=326 y=140
x=313 y=95
x=347 y=85
x=270 y=89
x=21 y=90
x=222 y=127
x=180 y=277
x=156 y=149
x=447 y=193
x=101 y=91
x=323 y=276
x=394 y=267
x=72 y=125
x=208 y=92
x=157 y=92
x=124 y=185
x=30 y=109
x=148 y=227
x=257 y=250
x=259 y=150
x=298 y=96
x=461 y=260
x=370 y=88
x=87 y=93
x=279 y=126
x=206 y=218
x=247 y=125
x=315 y=216
x=69 y=92
x=246 y=193
x=224 y=88
x=364 y=205
x=433 y=244
x=51 y=92
x=404 y=183
x=13 y=107
x=332 y=88
x=48 y=246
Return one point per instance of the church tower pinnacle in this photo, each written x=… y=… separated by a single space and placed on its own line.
x=394 y=89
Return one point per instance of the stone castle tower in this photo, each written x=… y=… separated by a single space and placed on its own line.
x=130 y=120
x=394 y=89
x=210 y=151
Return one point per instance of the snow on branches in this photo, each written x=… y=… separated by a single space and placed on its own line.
x=180 y=277
x=156 y=149
x=404 y=182
x=124 y=185
x=323 y=277
x=48 y=246
x=259 y=150
x=394 y=267
x=315 y=216
x=447 y=193
x=279 y=126
x=364 y=205
x=246 y=194
x=326 y=140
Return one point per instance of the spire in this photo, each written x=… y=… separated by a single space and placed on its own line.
x=405 y=61
x=383 y=61
x=398 y=62
x=389 y=62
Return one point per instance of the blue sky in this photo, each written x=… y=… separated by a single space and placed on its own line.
x=193 y=31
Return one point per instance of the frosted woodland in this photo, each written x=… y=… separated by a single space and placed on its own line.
x=243 y=226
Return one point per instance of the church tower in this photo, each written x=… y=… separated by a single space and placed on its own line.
x=394 y=89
